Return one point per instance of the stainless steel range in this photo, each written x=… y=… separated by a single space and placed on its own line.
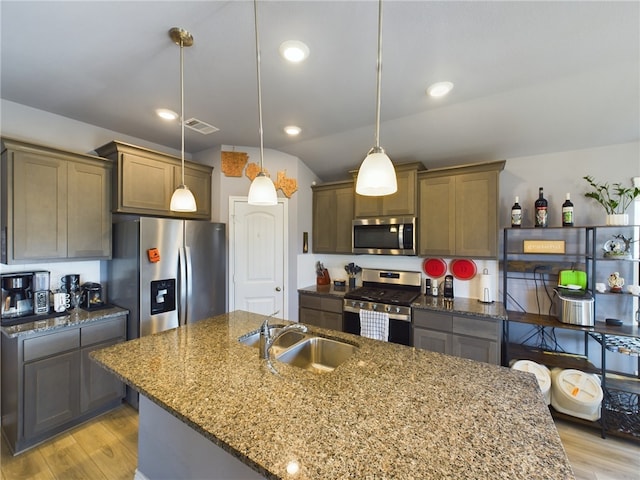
x=386 y=291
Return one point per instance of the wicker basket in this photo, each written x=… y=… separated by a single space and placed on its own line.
x=622 y=411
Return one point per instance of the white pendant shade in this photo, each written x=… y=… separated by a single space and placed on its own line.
x=183 y=200
x=262 y=191
x=376 y=176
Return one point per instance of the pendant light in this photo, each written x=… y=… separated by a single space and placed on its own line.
x=376 y=176
x=262 y=190
x=182 y=199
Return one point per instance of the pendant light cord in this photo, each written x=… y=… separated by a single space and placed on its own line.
x=379 y=75
x=255 y=18
x=182 y=105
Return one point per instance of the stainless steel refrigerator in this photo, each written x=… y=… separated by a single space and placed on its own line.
x=167 y=272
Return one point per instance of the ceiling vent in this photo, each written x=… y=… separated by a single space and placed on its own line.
x=200 y=126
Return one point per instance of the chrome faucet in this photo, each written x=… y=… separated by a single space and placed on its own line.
x=267 y=339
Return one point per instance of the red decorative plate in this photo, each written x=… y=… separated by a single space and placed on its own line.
x=463 y=269
x=434 y=267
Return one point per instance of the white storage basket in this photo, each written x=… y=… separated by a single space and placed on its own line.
x=542 y=375
x=576 y=393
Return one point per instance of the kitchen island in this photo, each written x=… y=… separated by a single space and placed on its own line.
x=389 y=411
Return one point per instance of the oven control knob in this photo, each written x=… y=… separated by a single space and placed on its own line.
x=374 y=307
x=397 y=309
x=361 y=304
x=388 y=308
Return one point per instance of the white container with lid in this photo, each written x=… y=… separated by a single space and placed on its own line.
x=576 y=393
x=542 y=375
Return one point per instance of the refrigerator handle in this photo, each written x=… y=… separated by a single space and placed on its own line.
x=189 y=293
x=182 y=291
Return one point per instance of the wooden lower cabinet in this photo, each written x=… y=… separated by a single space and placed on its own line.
x=432 y=340
x=476 y=338
x=97 y=386
x=50 y=393
x=49 y=383
x=320 y=311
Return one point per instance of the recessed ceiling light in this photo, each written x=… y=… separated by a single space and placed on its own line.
x=166 y=114
x=439 y=89
x=292 y=130
x=294 y=50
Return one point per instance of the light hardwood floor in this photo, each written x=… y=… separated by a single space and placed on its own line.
x=106 y=448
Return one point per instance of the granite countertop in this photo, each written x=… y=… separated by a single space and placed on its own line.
x=389 y=411
x=69 y=320
x=326 y=290
x=461 y=306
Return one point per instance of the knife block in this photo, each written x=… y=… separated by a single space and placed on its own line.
x=323 y=279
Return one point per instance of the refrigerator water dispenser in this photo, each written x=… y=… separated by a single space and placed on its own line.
x=163 y=296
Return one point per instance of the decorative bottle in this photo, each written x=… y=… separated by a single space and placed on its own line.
x=516 y=214
x=567 y=212
x=542 y=218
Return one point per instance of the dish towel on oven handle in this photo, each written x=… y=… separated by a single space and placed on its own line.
x=374 y=325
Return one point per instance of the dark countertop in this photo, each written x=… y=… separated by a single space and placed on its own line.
x=68 y=320
x=389 y=411
x=462 y=306
x=326 y=290
x=459 y=306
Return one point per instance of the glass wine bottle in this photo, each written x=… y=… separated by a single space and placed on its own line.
x=567 y=212
x=516 y=214
x=542 y=217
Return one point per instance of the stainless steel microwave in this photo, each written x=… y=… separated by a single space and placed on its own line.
x=384 y=236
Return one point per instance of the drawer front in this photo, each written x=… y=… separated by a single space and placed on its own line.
x=310 y=301
x=331 y=304
x=103 y=331
x=477 y=327
x=51 y=344
x=431 y=320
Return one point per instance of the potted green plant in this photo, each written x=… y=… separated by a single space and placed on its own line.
x=615 y=199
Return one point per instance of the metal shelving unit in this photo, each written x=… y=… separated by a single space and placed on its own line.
x=620 y=414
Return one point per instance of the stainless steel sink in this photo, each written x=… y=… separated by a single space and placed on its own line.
x=317 y=354
x=304 y=350
x=252 y=339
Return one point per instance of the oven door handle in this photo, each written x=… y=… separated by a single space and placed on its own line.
x=392 y=316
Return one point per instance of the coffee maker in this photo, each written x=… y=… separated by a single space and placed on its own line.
x=41 y=290
x=17 y=294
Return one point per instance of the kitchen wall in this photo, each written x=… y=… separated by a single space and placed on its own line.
x=299 y=205
x=559 y=173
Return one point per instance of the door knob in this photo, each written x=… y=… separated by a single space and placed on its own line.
x=278 y=289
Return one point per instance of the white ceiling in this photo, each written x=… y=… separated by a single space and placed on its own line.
x=530 y=77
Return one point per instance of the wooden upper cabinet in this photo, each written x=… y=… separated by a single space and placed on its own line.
x=198 y=178
x=89 y=207
x=459 y=211
x=144 y=181
x=436 y=224
x=403 y=202
x=55 y=204
x=332 y=216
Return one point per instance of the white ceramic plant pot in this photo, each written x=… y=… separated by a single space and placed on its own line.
x=618 y=219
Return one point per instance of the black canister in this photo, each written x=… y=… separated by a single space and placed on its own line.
x=91 y=295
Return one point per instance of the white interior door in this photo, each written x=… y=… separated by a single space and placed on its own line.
x=257 y=246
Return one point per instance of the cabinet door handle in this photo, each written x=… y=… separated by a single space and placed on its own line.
x=278 y=289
